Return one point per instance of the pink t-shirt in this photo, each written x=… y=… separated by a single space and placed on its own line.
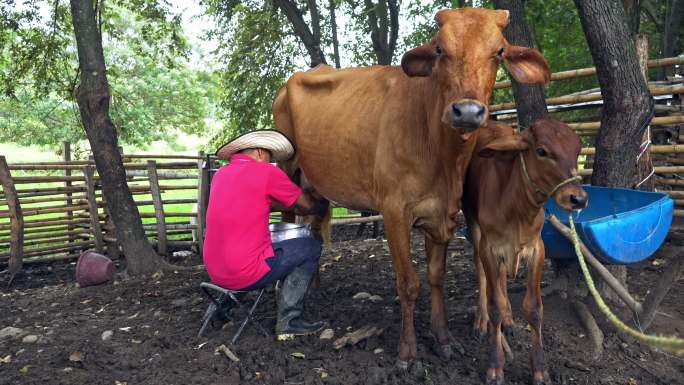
x=237 y=241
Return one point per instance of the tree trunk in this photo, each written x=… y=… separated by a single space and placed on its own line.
x=633 y=15
x=628 y=105
x=93 y=99
x=333 y=26
x=529 y=100
x=672 y=44
x=645 y=163
x=383 y=21
x=311 y=40
x=464 y=3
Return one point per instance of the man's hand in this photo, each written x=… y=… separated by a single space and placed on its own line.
x=308 y=205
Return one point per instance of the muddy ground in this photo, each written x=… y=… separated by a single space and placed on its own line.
x=154 y=321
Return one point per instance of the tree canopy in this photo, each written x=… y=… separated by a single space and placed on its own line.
x=157 y=89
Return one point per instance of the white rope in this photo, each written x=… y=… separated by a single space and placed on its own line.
x=643 y=148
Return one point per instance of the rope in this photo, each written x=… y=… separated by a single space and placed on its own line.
x=643 y=148
x=672 y=344
x=538 y=189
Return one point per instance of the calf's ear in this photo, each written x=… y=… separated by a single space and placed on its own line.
x=505 y=145
x=420 y=60
x=526 y=65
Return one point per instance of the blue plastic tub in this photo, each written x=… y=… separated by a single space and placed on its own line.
x=620 y=226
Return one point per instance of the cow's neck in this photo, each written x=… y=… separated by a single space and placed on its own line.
x=530 y=201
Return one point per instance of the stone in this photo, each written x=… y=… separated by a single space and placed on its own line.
x=375 y=298
x=378 y=351
x=327 y=334
x=179 y=302
x=11 y=332
x=107 y=335
x=30 y=339
x=361 y=295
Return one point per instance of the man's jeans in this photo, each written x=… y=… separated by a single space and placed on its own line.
x=291 y=253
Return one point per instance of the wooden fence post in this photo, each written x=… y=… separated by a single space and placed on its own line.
x=645 y=163
x=66 y=157
x=158 y=206
x=89 y=175
x=202 y=199
x=16 y=220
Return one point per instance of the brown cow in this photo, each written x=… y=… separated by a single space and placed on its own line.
x=509 y=178
x=396 y=140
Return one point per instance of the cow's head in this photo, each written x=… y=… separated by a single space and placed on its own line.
x=463 y=58
x=549 y=151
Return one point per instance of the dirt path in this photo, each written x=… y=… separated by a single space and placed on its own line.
x=154 y=322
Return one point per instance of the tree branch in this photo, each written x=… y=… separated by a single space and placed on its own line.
x=648 y=8
x=294 y=15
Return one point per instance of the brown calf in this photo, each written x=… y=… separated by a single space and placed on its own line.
x=509 y=178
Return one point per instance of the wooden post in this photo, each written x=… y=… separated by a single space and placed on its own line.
x=202 y=198
x=66 y=157
x=158 y=206
x=89 y=175
x=645 y=164
x=16 y=220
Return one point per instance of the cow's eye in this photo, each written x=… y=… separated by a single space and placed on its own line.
x=438 y=49
x=500 y=53
x=541 y=152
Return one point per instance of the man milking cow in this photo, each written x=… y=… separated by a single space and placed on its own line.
x=238 y=252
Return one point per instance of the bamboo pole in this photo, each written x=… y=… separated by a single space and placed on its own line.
x=348 y=221
x=53 y=250
x=42 y=191
x=170 y=226
x=76 y=199
x=16 y=225
x=658 y=169
x=672 y=182
x=566 y=99
x=68 y=240
x=89 y=174
x=47 y=235
x=162 y=175
x=656 y=121
x=150 y=156
x=583 y=72
x=203 y=182
x=158 y=206
x=77 y=165
x=166 y=202
x=656 y=149
x=168 y=214
x=68 y=210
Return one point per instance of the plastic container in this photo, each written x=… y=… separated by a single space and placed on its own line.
x=281 y=231
x=94 y=269
x=619 y=226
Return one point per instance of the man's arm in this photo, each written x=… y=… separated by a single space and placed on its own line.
x=305 y=204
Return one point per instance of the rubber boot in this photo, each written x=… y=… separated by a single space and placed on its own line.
x=291 y=305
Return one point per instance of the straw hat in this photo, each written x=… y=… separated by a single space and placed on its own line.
x=278 y=144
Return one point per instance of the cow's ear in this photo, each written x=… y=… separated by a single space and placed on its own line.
x=504 y=145
x=420 y=60
x=527 y=65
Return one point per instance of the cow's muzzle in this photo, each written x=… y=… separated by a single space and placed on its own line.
x=468 y=114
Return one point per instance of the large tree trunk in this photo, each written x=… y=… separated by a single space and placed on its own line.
x=628 y=105
x=672 y=44
x=633 y=15
x=383 y=21
x=333 y=26
x=529 y=100
x=310 y=38
x=93 y=98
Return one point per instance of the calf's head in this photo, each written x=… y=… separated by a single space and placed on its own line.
x=463 y=59
x=549 y=151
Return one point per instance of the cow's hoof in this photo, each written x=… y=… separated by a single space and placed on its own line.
x=541 y=378
x=402 y=365
x=480 y=335
x=509 y=332
x=444 y=351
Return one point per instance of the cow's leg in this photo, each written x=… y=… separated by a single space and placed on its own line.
x=481 y=314
x=436 y=255
x=398 y=230
x=507 y=316
x=533 y=310
x=496 y=300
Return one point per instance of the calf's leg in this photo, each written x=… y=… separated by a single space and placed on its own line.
x=497 y=305
x=533 y=310
x=398 y=228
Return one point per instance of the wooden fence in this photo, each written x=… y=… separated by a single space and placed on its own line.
x=667 y=157
x=55 y=210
